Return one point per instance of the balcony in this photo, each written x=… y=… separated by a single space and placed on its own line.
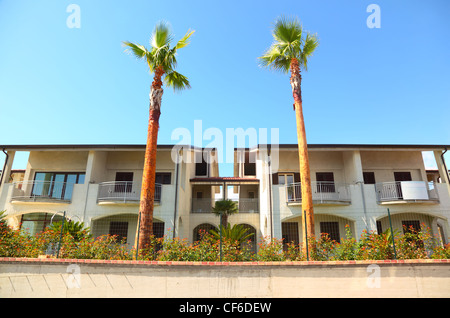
x=406 y=192
x=322 y=193
x=123 y=192
x=42 y=191
x=245 y=205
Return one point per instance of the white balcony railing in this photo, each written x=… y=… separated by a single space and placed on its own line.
x=245 y=205
x=322 y=192
x=406 y=191
x=42 y=191
x=123 y=191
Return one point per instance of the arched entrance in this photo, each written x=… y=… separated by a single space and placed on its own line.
x=200 y=229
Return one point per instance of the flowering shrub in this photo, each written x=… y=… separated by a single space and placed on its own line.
x=271 y=251
x=410 y=245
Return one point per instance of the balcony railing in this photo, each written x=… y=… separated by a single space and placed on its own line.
x=42 y=191
x=406 y=191
x=245 y=205
x=322 y=192
x=123 y=192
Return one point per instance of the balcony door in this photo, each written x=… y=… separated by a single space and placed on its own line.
x=124 y=182
x=325 y=182
x=56 y=185
x=399 y=177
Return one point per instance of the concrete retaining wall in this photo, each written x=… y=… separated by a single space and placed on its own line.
x=95 y=278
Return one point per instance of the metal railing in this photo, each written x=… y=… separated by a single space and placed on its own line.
x=124 y=191
x=245 y=205
x=322 y=192
x=47 y=191
x=406 y=191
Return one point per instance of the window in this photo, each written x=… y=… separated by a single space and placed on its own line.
x=285 y=178
x=34 y=223
x=56 y=185
x=250 y=164
x=379 y=227
x=158 y=229
x=325 y=182
x=411 y=226
x=402 y=176
x=201 y=167
x=289 y=233
x=120 y=229
x=163 y=178
x=332 y=229
x=369 y=177
x=124 y=182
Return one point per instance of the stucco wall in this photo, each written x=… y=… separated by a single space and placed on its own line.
x=95 y=278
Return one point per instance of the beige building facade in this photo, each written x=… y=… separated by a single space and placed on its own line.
x=354 y=186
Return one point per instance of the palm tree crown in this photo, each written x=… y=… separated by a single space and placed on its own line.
x=224 y=208
x=161 y=57
x=289 y=43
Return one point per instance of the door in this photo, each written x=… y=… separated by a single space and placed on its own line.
x=124 y=182
x=325 y=182
x=399 y=177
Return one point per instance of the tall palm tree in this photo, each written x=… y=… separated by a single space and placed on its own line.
x=290 y=52
x=161 y=60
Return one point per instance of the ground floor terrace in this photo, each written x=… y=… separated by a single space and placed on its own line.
x=337 y=223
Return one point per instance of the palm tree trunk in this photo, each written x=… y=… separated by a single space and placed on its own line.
x=148 y=177
x=305 y=178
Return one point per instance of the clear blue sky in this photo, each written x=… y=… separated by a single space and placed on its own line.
x=77 y=86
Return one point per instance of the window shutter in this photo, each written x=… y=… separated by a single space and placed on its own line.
x=274 y=178
x=296 y=176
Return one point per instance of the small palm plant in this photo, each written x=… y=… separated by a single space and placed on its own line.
x=236 y=233
x=223 y=209
x=77 y=230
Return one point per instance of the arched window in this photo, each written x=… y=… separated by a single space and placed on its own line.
x=33 y=223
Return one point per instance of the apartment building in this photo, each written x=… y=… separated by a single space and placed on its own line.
x=100 y=186
x=354 y=185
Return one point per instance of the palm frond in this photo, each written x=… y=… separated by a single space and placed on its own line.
x=311 y=43
x=185 y=40
x=161 y=36
x=136 y=49
x=274 y=59
x=287 y=30
x=177 y=81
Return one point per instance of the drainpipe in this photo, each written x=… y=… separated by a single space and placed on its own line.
x=4 y=166
x=270 y=193
x=445 y=166
x=176 y=194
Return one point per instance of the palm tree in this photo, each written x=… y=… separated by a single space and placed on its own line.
x=223 y=209
x=290 y=52
x=236 y=233
x=161 y=60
